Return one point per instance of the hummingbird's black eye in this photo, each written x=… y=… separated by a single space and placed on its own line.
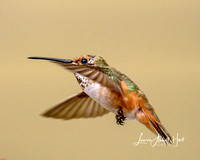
x=84 y=61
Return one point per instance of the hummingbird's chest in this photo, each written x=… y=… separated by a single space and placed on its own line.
x=101 y=94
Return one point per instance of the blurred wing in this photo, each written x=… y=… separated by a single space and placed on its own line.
x=94 y=73
x=77 y=106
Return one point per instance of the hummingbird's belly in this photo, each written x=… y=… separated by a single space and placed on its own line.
x=108 y=99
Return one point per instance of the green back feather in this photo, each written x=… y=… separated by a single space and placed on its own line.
x=117 y=76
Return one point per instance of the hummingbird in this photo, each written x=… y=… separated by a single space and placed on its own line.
x=104 y=90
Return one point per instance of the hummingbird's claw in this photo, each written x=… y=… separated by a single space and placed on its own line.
x=120 y=118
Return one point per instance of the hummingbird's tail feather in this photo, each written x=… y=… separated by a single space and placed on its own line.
x=150 y=120
x=144 y=112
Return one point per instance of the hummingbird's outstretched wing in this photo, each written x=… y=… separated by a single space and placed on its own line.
x=102 y=75
x=77 y=106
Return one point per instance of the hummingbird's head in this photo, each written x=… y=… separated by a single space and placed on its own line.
x=90 y=60
x=86 y=60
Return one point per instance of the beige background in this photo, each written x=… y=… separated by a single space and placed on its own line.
x=156 y=43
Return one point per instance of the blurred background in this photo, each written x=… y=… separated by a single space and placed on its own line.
x=156 y=43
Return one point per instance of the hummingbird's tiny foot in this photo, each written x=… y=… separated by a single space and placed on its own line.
x=120 y=118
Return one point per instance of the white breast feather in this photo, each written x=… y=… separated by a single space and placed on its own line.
x=92 y=89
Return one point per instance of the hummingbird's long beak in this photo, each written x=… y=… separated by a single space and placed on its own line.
x=52 y=59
